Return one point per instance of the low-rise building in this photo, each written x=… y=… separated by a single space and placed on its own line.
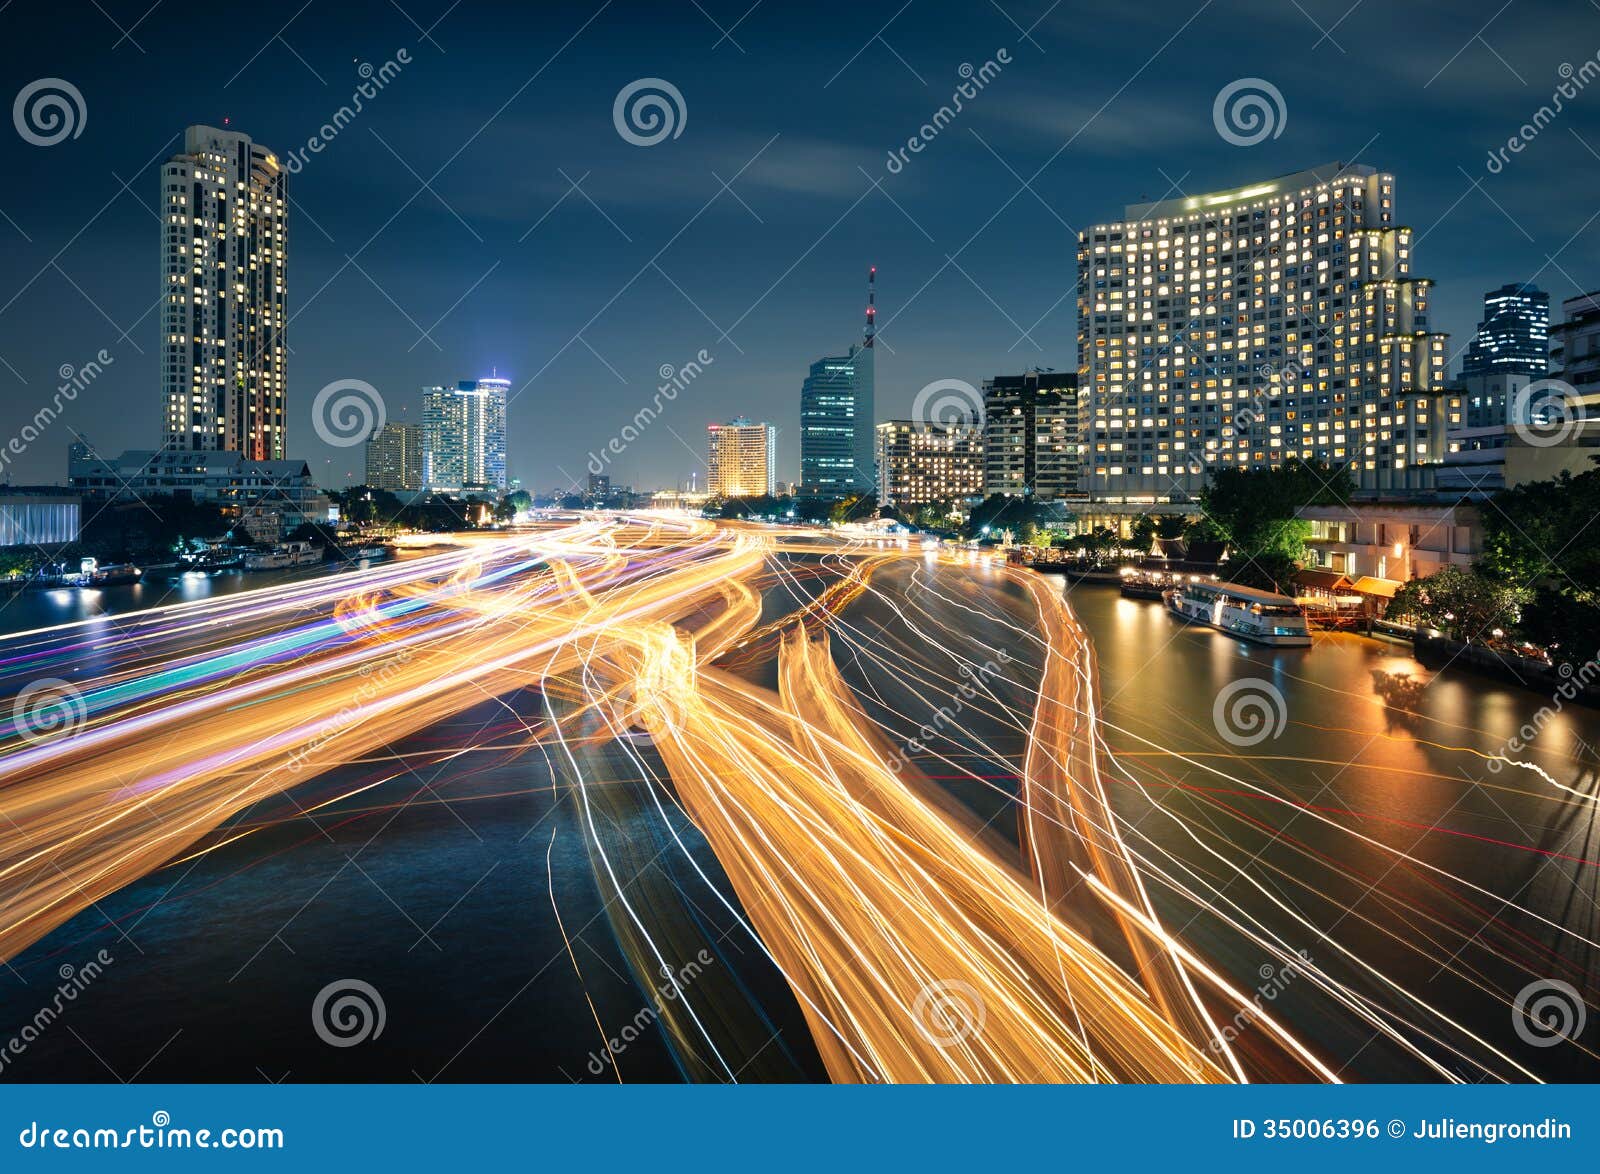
x=240 y=486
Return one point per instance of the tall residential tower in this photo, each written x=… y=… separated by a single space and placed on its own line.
x=464 y=435
x=223 y=253
x=1248 y=327
x=741 y=459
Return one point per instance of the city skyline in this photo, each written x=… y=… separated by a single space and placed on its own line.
x=451 y=271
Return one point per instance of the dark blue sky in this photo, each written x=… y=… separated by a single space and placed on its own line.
x=581 y=296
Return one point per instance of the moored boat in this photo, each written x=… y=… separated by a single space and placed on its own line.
x=1249 y=613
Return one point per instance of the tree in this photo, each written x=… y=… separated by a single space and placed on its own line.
x=1143 y=533
x=1256 y=512
x=1464 y=604
x=855 y=508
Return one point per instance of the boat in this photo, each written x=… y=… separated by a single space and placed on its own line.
x=111 y=575
x=374 y=552
x=282 y=556
x=1263 y=617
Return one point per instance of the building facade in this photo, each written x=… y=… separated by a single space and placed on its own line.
x=464 y=436
x=39 y=519
x=394 y=458
x=741 y=459
x=1514 y=336
x=921 y=463
x=282 y=490
x=224 y=251
x=1030 y=434
x=837 y=402
x=1248 y=327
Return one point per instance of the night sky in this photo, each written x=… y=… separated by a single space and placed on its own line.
x=440 y=236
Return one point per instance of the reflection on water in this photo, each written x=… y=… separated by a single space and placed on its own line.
x=1438 y=829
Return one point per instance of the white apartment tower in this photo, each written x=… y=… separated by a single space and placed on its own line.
x=223 y=254
x=741 y=458
x=464 y=435
x=1248 y=327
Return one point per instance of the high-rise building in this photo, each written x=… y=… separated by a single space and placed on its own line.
x=224 y=248
x=1514 y=336
x=836 y=416
x=464 y=435
x=1248 y=327
x=922 y=463
x=1030 y=434
x=394 y=457
x=741 y=458
x=1575 y=350
x=599 y=486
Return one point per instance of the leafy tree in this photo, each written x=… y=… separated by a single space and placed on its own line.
x=855 y=508
x=1143 y=533
x=1460 y=602
x=1255 y=511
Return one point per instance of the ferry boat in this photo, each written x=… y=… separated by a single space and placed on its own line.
x=285 y=554
x=1251 y=614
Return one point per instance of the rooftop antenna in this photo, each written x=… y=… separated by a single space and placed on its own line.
x=872 y=309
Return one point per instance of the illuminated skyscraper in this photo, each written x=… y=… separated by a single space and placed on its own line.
x=836 y=416
x=741 y=458
x=394 y=457
x=223 y=253
x=1248 y=327
x=1514 y=336
x=464 y=435
x=1030 y=434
